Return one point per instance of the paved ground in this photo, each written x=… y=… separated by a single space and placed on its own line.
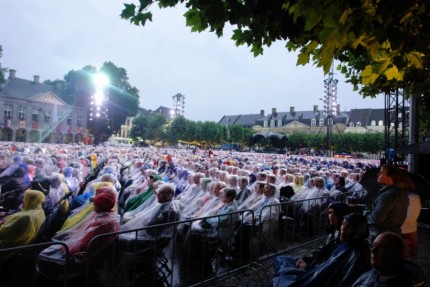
x=258 y=275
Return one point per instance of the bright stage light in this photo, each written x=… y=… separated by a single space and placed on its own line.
x=101 y=81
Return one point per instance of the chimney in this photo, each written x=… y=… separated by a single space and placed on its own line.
x=36 y=79
x=274 y=111
x=315 y=108
x=261 y=113
x=12 y=74
x=292 y=109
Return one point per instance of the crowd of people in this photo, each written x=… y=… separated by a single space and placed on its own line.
x=70 y=193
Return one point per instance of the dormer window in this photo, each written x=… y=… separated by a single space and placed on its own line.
x=358 y=124
x=351 y=124
x=279 y=123
x=265 y=123
x=313 y=122
x=272 y=123
x=373 y=123
x=381 y=123
x=321 y=123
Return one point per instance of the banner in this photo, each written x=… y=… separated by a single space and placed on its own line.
x=79 y=130
x=7 y=124
x=22 y=124
x=34 y=125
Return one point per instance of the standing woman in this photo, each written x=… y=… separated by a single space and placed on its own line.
x=391 y=204
x=410 y=226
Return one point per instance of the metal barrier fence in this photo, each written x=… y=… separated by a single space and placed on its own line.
x=197 y=252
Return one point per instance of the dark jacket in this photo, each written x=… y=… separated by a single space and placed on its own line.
x=411 y=275
x=343 y=267
x=389 y=211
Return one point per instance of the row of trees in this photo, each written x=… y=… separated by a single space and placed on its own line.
x=157 y=128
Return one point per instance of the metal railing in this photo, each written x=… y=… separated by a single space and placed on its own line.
x=196 y=253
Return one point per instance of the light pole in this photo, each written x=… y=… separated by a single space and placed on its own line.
x=98 y=114
x=178 y=105
x=330 y=106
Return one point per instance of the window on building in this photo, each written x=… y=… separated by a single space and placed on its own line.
x=7 y=111
x=35 y=115
x=266 y=124
x=321 y=123
x=69 y=119
x=373 y=123
x=48 y=117
x=79 y=121
x=381 y=123
x=351 y=124
x=279 y=123
x=272 y=123
x=21 y=113
x=313 y=122
x=358 y=124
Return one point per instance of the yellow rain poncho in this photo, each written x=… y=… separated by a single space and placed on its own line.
x=22 y=227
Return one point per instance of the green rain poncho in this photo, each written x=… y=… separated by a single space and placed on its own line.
x=133 y=203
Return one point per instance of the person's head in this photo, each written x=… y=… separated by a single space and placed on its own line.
x=271 y=178
x=204 y=181
x=388 y=175
x=105 y=199
x=108 y=178
x=335 y=212
x=354 y=228
x=310 y=183
x=339 y=181
x=269 y=189
x=261 y=176
x=228 y=195
x=260 y=187
x=319 y=182
x=233 y=180
x=33 y=199
x=219 y=185
x=165 y=192
x=387 y=253
x=243 y=182
x=197 y=177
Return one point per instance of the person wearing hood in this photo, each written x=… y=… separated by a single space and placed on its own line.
x=12 y=192
x=143 y=196
x=22 y=227
x=103 y=220
x=335 y=213
x=346 y=263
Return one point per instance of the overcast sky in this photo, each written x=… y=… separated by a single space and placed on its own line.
x=51 y=37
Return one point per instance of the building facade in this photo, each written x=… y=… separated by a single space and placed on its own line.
x=33 y=112
x=310 y=121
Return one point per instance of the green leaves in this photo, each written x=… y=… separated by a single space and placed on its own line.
x=194 y=20
x=383 y=43
x=135 y=17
